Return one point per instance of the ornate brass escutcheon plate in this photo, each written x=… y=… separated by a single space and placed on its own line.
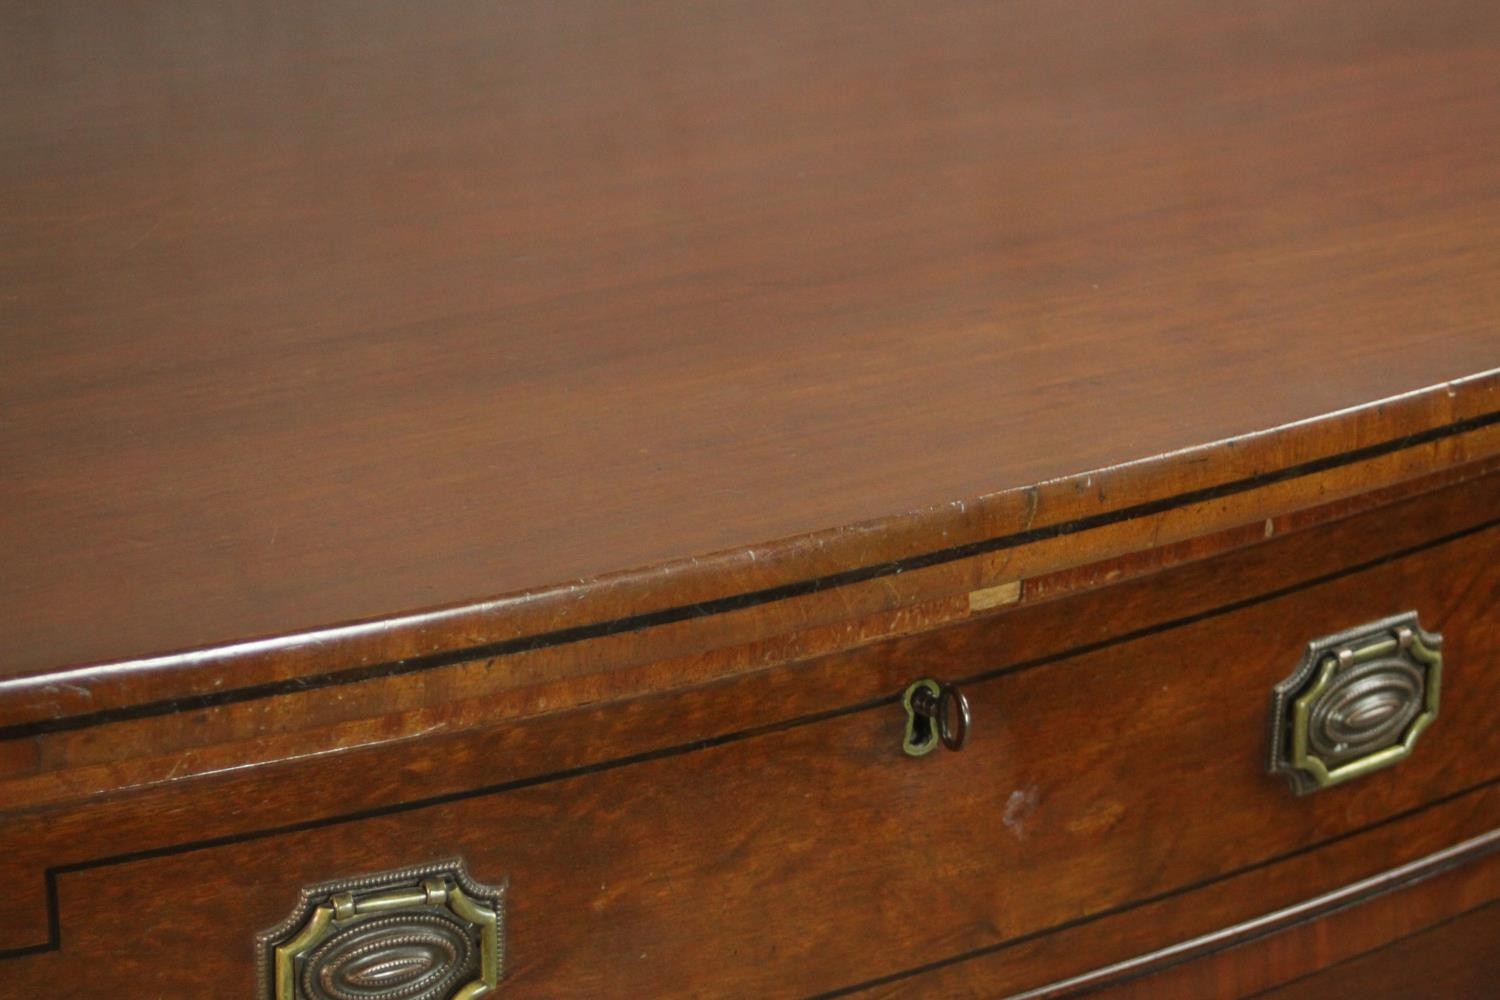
x=1356 y=703
x=423 y=933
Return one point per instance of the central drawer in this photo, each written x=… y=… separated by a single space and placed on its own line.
x=812 y=855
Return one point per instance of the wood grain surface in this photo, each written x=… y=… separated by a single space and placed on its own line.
x=1456 y=959
x=1242 y=933
x=155 y=784
x=312 y=314
x=750 y=855
x=1412 y=942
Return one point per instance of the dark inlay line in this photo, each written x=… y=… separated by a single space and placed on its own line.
x=733 y=602
x=725 y=739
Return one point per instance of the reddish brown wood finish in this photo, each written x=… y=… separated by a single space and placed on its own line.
x=1449 y=950
x=1094 y=781
x=556 y=433
x=314 y=315
x=1457 y=959
x=184 y=739
x=1174 y=945
x=401 y=770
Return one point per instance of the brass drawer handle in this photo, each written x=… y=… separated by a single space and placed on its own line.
x=935 y=713
x=1356 y=703
x=428 y=933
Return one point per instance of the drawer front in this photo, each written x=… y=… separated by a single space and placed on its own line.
x=812 y=855
x=1432 y=939
x=1456 y=958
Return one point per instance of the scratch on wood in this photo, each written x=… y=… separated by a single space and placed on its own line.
x=1033 y=503
x=1018 y=809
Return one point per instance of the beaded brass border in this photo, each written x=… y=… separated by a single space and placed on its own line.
x=1400 y=639
x=441 y=887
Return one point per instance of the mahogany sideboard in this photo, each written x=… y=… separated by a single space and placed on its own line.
x=749 y=499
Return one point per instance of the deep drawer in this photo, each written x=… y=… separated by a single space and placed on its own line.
x=813 y=854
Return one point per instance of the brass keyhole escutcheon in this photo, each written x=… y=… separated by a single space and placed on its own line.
x=936 y=713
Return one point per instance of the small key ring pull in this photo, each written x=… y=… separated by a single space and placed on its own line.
x=935 y=713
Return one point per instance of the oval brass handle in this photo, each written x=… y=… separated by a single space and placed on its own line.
x=425 y=933
x=1356 y=703
x=930 y=705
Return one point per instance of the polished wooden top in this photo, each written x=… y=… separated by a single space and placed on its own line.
x=314 y=313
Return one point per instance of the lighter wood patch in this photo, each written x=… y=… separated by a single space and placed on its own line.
x=994 y=597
